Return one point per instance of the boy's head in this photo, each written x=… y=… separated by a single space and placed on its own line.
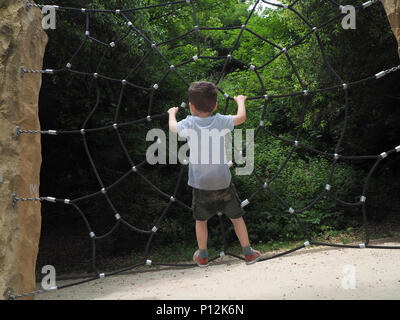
x=203 y=96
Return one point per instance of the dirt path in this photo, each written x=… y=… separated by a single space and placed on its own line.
x=315 y=273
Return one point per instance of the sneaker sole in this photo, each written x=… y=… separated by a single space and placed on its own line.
x=202 y=265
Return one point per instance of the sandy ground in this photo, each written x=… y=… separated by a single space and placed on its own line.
x=314 y=273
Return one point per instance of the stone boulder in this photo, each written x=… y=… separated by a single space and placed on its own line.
x=392 y=8
x=22 y=43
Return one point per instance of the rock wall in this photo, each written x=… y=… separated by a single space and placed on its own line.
x=392 y=8
x=22 y=43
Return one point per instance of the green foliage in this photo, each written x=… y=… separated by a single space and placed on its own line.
x=302 y=180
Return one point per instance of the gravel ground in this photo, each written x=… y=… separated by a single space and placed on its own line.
x=313 y=273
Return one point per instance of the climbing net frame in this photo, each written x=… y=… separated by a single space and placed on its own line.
x=265 y=97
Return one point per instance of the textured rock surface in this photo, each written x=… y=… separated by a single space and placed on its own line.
x=22 y=43
x=392 y=8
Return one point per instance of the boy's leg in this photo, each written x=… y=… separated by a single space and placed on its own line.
x=201 y=255
x=202 y=234
x=241 y=231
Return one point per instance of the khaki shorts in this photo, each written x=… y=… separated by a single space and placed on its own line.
x=207 y=203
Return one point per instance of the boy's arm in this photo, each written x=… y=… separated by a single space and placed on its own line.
x=240 y=117
x=172 y=123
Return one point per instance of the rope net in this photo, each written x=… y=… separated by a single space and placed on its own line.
x=173 y=197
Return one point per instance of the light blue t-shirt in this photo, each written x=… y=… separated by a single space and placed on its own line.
x=208 y=167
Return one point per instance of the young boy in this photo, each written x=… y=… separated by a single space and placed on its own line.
x=213 y=190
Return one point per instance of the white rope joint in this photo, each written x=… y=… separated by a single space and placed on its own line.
x=52 y=288
x=245 y=203
x=367 y=4
x=380 y=75
x=50 y=199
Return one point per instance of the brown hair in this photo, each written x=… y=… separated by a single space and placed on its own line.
x=203 y=95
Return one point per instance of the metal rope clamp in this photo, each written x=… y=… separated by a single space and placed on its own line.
x=52 y=288
x=368 y=3
x=9 y=295
x=50 y=199
x=245 y=203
